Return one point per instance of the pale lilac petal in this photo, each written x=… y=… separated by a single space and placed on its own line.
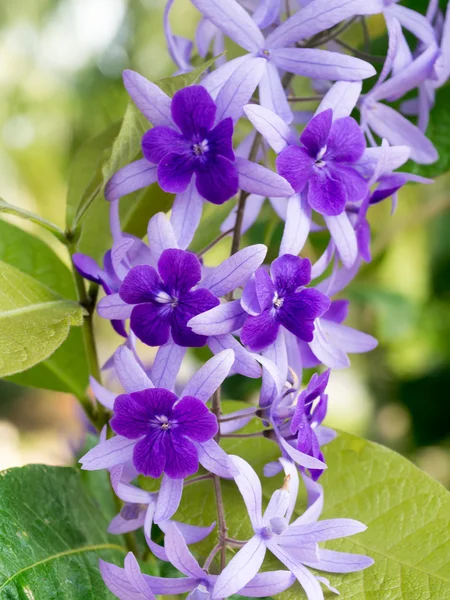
x=325 y=435
x=234 y=21
x=244 y=363
x=338 y=280
x=321 y=531
x=252 y=209
x=133 y=572
x=179 y=48
x=130 y=373
x=168 y=586
x=328 y=353
x=341 y=98
x=113 y=307
x=132 y=177
x=272 y=127
x=104 y=396
x=315 y=500
x=304 y=460
x=272 y=94
x=119 y=525
x=413 y=21
x=298 y=222
x=157 y=550
x=214 y=459
x=166 y=365
x=291 y=471
x=319 y=16
x=169 y=497
x=341 y=562
x=241 y=568
x=214 y=81
x=127 y=492
x=150 y=100
x=118 y=583
x=234 y=272
x=306 y=579
x=221 y=319
x=279 y=205
x=344 y=237
x=321 y=265
x=327 y=584
x=115 y=451
x=186 y=214
x=239 y=88
x=322 y=64
x=250 y=488
x=241 y=418
x=119 y=252
x=394 y=127
x=348 y=339
x=204 y=35
x=256 y=179
x=278 y=505
x=210 y=376
x=394 y=34
x=200 y=593
x=270 y=583
x=160 y=236
x=395 y=157
x=267 y=12
x=191 y=533
x=275 y=363
x=179 y=555
x=249 y=298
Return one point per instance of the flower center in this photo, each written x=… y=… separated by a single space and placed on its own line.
x=264 y=53
x=319 y=162
x=200 y=148
x=164 y=422
x=277 y=301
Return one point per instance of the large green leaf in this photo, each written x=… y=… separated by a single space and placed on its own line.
x=34 y=320
x=170 y=85
x=66 y=370
x=10 y=209
x=407 y=513
x=51 y=536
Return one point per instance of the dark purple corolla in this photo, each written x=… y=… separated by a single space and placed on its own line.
x=325 y=163
x=196 y=148
x=282 y=303
x=168 y=427
x=165 y=301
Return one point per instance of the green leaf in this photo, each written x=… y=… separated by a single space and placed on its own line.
x=86 y=174
x=170 y=85
x=34 y=320
x=51 y=535
x=29 y=216
x=66 y=370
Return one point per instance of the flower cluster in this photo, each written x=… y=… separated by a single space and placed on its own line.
x=263 y=321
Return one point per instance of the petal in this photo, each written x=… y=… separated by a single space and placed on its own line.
x=131 y=415
x=150 y=100
x=303 y=460
x=300 y=310
x=275 y=370
x=346 y=141
x=326 y=194
x=271 y=126
x=341 y=562
x=271 y=583
x=150 y=455
x=233 y=21
x=159 y=141
x=130 y=373
x=252 y=209
x=241 y=568
x=166 y=365
x=321 y=531
x=119 y=524
x=118 y=583
x=175 y=172
x=321 y=64
x=298 y=223
x=256 y=179
x=265 y=289
x=244 y=363
x=338 y=311
x=355 y=185
x=132 y=177
x=260 y=331
x=191 y=533
x=290 y=272
x=135 y=576
x=272 y=95
x=213 y=458
x=87 y=267
x=327 y=353
x=249 y=298
x=115 y=451
x=195 y=420
x=341 y=98
x=215 y=80
x=161 y=235
x=237 y=420
x=104 y=396
x=210 y=376
x=344 y=237
x=415 y=22
x=250 y=488
x=194 y=111
x=393 y=157
x=267 y=13
x=168 y=586
x=182 y=457
x=179 y=555
x=315 y=135
x=224 y=318
x=296 y=166
x=220 y=139
x=278 y=505
x=239 y=88
x=348 y=339
x=151 y=324
x=180 y=270
x=191 y=305
x=140 y=285
x=235 y=271
x=217 y=179
x=186 y=214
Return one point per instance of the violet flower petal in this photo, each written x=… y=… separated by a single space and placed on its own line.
x=140 y=285
x=193 y=111
x=217 y=179
x=175 y=172
x=159 y=141
x=260 y=331
x=195 y=420
x=290 y=272
x=151 y=324
x=295 y=164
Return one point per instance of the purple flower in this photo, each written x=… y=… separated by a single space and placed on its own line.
x=295 y=544
x=164 y=300
x=324 y=163
x=201 y=148
x=281 y=303
x=165 y=427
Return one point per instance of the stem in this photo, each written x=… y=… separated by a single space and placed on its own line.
x=223 y=530
x=321 y=39
x=235 y=543
x=236 y=417
x=211 y=556
x=206 y=477
x=244 y=435
x=214 y=242
x=360 y=53
x=304 y=98
x=366 y=34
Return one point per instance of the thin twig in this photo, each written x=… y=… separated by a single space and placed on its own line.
x=214 y=242
x=366 y=34
x=223 y=530
x=206 y=477
x=235 y=543
x=244 y=435
x=360 y=53
x=212 y=555
x=331 y=35
x=236 y=417
x=304 y=98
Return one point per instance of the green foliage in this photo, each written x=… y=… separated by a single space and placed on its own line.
x=51 y=535
x=34 y=320
x=170 y=85
x=29 y=216
x=66 y=369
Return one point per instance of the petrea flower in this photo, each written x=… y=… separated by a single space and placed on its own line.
x=295 y=544
x=164 y=300
x=282 y=303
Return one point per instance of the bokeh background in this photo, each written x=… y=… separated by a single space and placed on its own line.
x=60 y=81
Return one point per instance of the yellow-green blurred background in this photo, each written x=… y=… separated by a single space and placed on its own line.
x=60 y=81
